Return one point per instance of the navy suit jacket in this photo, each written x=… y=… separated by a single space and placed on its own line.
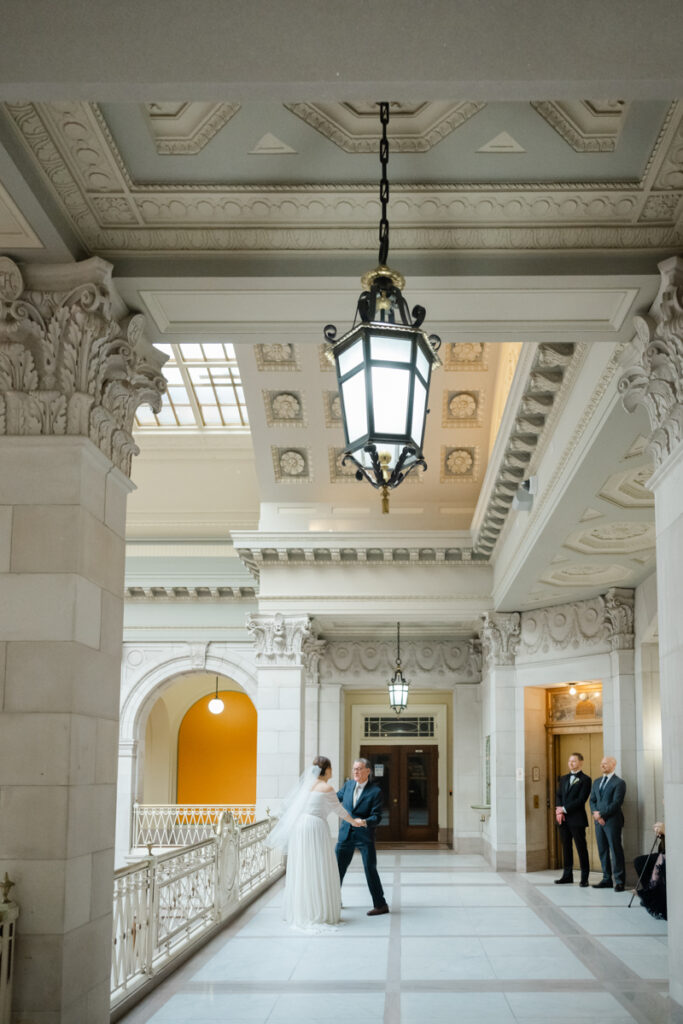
x=610 y=800
x=368 y=807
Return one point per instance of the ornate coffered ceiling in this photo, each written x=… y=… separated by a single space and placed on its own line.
x=181 y=178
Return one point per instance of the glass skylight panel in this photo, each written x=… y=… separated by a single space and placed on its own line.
x=204 y=389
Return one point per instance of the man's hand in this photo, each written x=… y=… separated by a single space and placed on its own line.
x=596 y=815
x=559 y=815
x=360 y=823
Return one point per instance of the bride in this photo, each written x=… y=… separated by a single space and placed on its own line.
x=312 y=886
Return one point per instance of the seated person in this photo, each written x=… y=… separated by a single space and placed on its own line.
x=652 y=877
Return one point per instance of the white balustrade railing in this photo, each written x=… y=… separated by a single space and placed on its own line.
x=183 y=824
x=8 y=916
x=166 y=904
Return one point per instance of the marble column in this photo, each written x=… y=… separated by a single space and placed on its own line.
x=285 y=649
x=74 y=367
x=653 y=380
x=505 y=844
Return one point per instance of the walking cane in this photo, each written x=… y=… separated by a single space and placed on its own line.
x=647 y=861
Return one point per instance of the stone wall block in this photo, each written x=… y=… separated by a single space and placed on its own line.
x=40 y=471
x=106 y=751
x=46 y=538
x=83 y=750
x=112 y=627
x=41 y=884
x=5 y=537
x=102 y=555
x=83 y=966
x=37 y=607
x=91 y=819
x=38 y=991
x=35 y=749
x=117 y=489
x=77 y=885
x=101 y=888
x=61 y=677
x=33 y=822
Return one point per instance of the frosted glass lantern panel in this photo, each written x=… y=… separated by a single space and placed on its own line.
x=353 y=393
x=395 y=350
x=422 y=364
x=419 y=406
x=390 y=388
x=351 y=358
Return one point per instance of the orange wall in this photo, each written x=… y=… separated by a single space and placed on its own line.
x=217 y=753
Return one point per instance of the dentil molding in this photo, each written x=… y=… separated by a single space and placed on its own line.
x=655 y=377
x=73 y=360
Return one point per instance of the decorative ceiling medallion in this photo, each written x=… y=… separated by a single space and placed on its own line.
x=284 y=408
x=277 y=356
x=183 y=129
x=586 y=575
x=628 y=489
x=621 y=538
x=291 y=465
x=414 y=127
x=462 y=409
x=589 y=126
x=459 y=464
x=333 y=411
x=338 y=473
x=465 y=355
x=502 y=143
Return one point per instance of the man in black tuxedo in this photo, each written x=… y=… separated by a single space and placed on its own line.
x=607 y=796
x=570 y=813
x=360 y=796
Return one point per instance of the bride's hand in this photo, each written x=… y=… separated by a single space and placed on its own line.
x=359 y=823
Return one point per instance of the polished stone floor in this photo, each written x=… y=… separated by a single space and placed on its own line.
x=462 y=944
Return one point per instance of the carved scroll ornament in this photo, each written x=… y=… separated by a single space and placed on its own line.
x=68 y=365
x=286 y=640
x=655 y=379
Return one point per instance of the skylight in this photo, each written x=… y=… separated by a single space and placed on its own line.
x=204 y=390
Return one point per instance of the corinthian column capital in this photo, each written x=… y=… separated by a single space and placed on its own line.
x=655 y=377
x=500 y=637
x=286 y=640
x=73 y=359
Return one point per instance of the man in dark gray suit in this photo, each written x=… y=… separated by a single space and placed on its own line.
x=607 y=796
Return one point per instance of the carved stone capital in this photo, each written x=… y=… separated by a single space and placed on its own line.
x=73 y=359
x=500 y=637
x=655 y=378
x=285 y=640
x=619 y=604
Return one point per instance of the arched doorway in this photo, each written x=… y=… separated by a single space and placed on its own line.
x=217 y=753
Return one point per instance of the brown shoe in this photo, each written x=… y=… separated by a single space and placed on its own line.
x=376 y=911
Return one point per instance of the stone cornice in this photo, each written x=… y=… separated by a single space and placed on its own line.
x=73 y=360
x=75 y=151
x=542 y=390
x=654 y=379
x=410 y=548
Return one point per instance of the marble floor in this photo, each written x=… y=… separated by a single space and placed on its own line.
x=462 y=944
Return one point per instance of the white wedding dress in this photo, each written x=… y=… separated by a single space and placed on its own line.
x=312 y=887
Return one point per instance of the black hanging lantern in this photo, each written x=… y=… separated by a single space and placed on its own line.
x=384 y=364
x=397 y=685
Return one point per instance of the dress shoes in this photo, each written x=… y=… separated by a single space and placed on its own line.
x=376 y=911
x=583 y=885
x=618 y=888
x=604 y=884
x=564 y=881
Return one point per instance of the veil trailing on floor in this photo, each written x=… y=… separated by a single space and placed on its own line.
x=292 y=808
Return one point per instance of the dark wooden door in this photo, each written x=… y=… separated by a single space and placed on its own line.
x=408 y=778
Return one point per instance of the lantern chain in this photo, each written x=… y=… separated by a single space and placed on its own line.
x=384 y=186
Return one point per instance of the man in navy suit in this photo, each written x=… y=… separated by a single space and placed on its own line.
x=570 y=814
x=607 y=796
x=362 y=800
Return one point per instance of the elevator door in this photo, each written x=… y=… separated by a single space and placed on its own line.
x=408 y=778
x=590 y=745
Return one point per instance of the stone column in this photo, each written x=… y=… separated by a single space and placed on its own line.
x=620 y=737
x=73 y=370
x=506 y=845
x=285 y=646
x=654 y=381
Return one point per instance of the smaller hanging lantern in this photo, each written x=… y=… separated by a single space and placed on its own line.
x=397 y=685
x=216 y=705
